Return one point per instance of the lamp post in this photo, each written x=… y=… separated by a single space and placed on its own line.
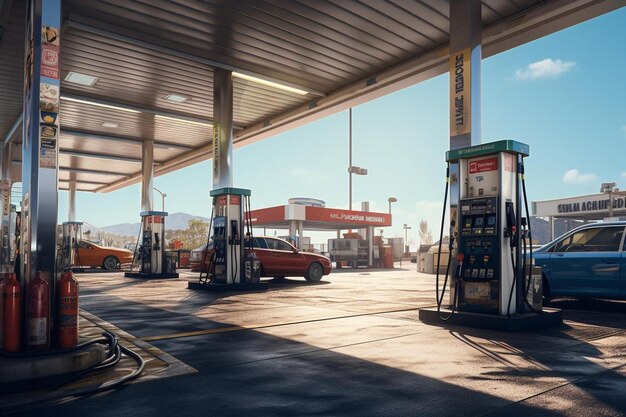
x=351 y=168
x=163 y=195
x=609 y=188
x=406 y=233
x=391 y=200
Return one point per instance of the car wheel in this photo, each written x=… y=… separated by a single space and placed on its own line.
x=314 y=273
x=110 y=262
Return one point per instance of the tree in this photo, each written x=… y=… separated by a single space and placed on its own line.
x=194 y=236
x=426 y=237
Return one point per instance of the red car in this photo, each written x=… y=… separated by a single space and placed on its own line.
x=278 y=259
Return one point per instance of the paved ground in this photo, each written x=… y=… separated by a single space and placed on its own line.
x=351 y=346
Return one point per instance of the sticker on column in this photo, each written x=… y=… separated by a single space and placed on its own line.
x=48 y=146
x=50 y=52
x=49 y=101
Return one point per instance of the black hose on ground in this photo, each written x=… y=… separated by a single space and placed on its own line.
x=113 y=357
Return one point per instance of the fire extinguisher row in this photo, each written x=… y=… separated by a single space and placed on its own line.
x=36 y=326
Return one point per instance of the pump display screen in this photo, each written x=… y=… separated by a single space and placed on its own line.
x=491 y=221
x=478 y=221
x=468 y=222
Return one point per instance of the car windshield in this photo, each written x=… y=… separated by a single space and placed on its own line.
x=596 y=239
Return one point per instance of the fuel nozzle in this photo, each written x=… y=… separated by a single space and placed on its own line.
x=459 y=265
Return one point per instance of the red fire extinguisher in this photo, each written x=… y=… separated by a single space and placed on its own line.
x=38 y=314
x=67 y=311
x=10 y=325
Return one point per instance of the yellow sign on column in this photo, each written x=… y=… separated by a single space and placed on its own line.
x=460 y=92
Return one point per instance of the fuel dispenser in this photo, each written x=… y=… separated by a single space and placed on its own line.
x=489 y=274
x=71 y=237
x=230 y=265
x=150 y=251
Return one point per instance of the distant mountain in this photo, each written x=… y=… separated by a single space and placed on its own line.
x=175 y=221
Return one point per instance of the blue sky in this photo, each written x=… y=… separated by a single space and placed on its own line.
x=562 y=94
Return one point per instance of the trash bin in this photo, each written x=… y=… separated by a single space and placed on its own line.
x=170 y=259
x=183 y=258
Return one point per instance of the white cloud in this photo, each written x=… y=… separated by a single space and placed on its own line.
x=546 y=68
x=574 y=176
x=624 y=174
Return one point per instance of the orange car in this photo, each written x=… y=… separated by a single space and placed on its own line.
x=90 y=254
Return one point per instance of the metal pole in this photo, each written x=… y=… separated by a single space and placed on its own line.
x=71 y=199
x=465 y=67
x=147 y=175
x=222 y=128
x=6 y=264
x=40 y=147
x=350 y=157
x=611 y=202
x=162 y=198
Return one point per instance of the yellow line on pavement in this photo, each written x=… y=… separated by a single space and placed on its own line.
x=265 y=326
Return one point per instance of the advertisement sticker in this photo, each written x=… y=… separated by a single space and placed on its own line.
x=48 y=146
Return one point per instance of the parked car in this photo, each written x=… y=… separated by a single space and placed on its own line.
x=588 y=261
x=278 y=259
x=90 y=254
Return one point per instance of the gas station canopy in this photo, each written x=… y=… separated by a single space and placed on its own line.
x=134 y=70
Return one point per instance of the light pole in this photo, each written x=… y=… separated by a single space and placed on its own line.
x=163 y=195
x=351 y=168
x=391 y=200
x=609 y=188
x=406 y=234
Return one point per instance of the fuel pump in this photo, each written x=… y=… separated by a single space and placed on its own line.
x=71 y=237
x=488 y=269
x=230 y=265
x=150 y=252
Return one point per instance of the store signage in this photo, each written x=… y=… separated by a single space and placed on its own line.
x=591 y=205
x=347 y=216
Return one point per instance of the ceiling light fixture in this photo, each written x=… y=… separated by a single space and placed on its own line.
x=176 y=98
x=94 y=103
x=177 y=119
x=80 y=79
x=270 y=83
x=110 y=124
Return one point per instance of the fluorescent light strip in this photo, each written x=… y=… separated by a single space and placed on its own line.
x=93 y=103
x=177 y=119
x=270 y=83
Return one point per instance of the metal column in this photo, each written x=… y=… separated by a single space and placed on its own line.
x=465 y=65
x=40 y=149
x=71 y=199
x=147 y=175
x=222 y=128
x=6 y=264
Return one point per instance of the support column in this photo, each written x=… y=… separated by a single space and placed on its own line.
x=465 y=66
x=71 y=199
x=6 y=264
x=300 y=233
x=40 y=154
x=222 y=128
x=147 y=175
